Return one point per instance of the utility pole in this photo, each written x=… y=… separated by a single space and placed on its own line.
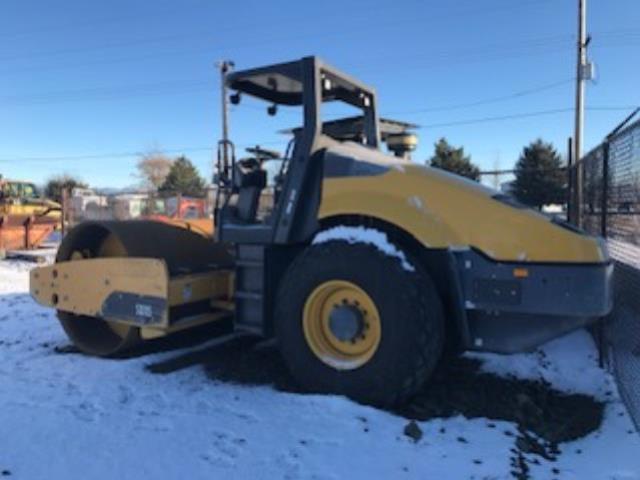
x=225 y=67
x=496 y=167
x=581 y=76
x=571 y=177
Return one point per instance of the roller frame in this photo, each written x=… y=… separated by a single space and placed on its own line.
x=134 y=291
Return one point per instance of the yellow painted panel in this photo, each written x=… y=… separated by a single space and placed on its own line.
x=443 y=210
x=193 y=288
x=27 y=208
x=82 y=286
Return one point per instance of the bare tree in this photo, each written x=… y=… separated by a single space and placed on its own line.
x=153 y=168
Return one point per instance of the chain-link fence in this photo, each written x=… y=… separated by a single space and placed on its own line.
x=611 y=208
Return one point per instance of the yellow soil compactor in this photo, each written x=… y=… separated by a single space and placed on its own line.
x=365 y=265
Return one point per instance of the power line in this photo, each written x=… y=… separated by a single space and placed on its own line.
x=98 y=156
x=445 y=58
x=611 y=108
x=474 y=53
x=497 y=118
x=366 y=25
x=558 y=40
x=514 y=116
x=444 y=55
x=17 y=99
x=107 y=93
x=93 y=23
x=442 y=59
x=128 y=154
x=612 y=34
x=458 y=106
x=55 y=53
x=189 y=86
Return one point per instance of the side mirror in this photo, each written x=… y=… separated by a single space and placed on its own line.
x=234 y=98
x=272 y=110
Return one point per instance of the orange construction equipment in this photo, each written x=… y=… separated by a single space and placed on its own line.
x=26 y=219
x=19 y=232
x=184 y=212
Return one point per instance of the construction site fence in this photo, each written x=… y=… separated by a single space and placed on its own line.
x=610 y=207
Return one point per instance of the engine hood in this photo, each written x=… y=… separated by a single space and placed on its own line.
x=444 y=210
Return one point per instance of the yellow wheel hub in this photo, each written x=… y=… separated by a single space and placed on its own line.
x=341 y=324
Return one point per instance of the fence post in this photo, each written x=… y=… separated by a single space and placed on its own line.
x=604 y=210
x=27 y=231
x=604 y=201
x=63 y=214
x=3 y=222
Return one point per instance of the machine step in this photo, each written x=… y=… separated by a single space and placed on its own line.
x=249 y=288
x=248 y=295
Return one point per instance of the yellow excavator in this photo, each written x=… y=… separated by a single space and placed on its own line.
x=22 y=198
x=363 y=268
x=26 y=219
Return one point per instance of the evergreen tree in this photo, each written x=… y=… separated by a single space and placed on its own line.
x=183 y=178
x=453 y=160
x=540 y=177
x=55 y=185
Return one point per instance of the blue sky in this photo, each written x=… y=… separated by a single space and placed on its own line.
x=85 y=85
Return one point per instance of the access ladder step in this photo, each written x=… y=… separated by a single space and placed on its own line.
x=249 y=288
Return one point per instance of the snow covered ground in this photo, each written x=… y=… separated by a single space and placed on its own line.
x=66 y=416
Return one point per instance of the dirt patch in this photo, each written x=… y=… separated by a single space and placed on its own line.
x=243 y=359
x=459 y=387
x=188 y=338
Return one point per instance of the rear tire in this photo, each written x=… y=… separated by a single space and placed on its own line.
x=411 y=333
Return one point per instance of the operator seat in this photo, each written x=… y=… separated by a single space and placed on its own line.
x=249 y=181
